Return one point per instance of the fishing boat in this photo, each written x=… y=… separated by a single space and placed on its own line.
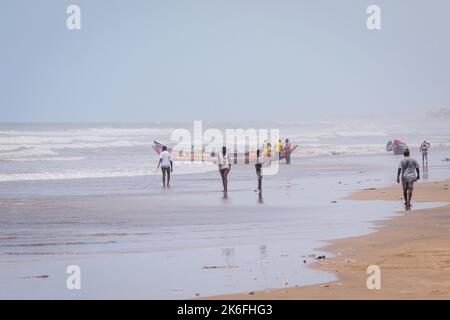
x=397 y=146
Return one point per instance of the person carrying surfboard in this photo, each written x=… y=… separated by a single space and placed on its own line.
x=166 y=164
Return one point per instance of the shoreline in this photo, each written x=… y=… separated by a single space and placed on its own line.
x=412 y=250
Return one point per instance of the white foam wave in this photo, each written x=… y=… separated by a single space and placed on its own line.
x=312 y=150
x=26 y=152
x=94 y=132
x=89 y=138
x=180 y=168
x=44 y=159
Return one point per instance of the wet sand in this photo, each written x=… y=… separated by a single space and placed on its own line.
x=412 y=250
x=133 y=239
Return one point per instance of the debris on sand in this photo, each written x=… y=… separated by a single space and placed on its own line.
x=349 y=260
x=44 y=276
x=251 y=293
x=320 y=258
x=220 y=267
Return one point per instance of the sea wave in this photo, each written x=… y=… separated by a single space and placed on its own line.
x=28 y=143
x=21 y=152
x=315 y=149
x=91 y=132
x=44 y=159
x=182 y=168
x=26 y=151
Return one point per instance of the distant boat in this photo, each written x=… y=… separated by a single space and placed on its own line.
x=396 y=147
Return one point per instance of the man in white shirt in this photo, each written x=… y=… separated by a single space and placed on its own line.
x=166 y=164
x=224 y=163
x=409 y=171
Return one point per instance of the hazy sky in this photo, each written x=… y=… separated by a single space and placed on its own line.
x=221 y=60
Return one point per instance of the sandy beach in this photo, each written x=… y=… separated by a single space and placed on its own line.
x=412 y=250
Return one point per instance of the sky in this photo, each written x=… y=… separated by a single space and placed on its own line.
x=221 y=60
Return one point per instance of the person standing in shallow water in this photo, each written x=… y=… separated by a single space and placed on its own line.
x=258 y=167
x=424 y=150
x=409 y=171
x=288 y=148
x=166 y=164
x=278 y=148
x=224 y=163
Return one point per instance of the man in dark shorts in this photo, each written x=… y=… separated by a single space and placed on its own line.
x=223 y=160
x=258 y=167
x=409 y=171
x=166 y=164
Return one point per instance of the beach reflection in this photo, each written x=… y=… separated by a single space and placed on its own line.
x=263 y=259
x=260 y=198
x=230 y=265
x=425 y=172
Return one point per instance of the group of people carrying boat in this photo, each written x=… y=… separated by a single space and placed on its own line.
x=408 y=169
x=263 y=154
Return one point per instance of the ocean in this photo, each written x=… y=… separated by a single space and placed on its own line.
x=42 y=152
x=90 y=195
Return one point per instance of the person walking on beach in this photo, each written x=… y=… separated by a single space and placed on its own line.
x=166 y=164
x=224 y=167
x=258 y=167
x=409 y=171
x=424 y=150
